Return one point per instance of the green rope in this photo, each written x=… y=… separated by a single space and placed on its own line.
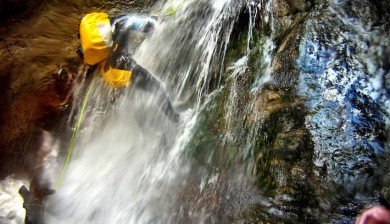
x=73 y=139
x=164 y=7
x=172 y=11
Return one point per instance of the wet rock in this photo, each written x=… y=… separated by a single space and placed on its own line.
x=120 y=6
x=385 y=191
x=287 y=15
x=10 y=8
x=288 y=143
x=217 y=199
x=285 y=70
x=284 y=8
x=290 y=161
x=284 y=150
x=268 y=102
x=346 y=139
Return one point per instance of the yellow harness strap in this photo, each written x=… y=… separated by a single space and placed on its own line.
x=115 y=77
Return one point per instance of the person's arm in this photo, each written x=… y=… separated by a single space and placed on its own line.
x=142 y=79
x=142 y=24
x=122 y=26
x=134 y=23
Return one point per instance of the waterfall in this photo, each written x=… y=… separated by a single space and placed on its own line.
x=11 y=201
x=123 y=171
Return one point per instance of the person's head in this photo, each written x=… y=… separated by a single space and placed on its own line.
x=95 y=37
x=150 y=24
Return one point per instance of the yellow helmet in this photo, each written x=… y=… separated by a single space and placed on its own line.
x=95 y=37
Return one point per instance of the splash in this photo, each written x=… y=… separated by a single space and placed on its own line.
x=11 y=201
x=127 y=160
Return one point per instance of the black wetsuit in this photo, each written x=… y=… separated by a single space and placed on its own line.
x=120 y=58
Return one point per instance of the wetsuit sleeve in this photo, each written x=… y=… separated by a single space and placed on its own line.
x=141 y=24
x=134 y=23
x=142 y=79
x=123 y=26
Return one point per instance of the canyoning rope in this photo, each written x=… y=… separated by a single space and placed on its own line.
x=80 y=118
x=173 y=10
x=163 y=8
x=75 y=131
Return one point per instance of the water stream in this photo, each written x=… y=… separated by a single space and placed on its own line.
x=126 y=171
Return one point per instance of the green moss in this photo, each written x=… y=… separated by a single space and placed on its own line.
x=206 y=136
x=237 y=48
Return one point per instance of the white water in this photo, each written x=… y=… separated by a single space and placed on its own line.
x=238 y=69
x=11 y=201
x=124 y=172
x=121 y=172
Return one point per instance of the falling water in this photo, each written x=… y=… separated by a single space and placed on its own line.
x=10 y=201
x=239 y=68
x=128 y=162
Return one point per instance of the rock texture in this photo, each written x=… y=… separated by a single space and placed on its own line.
x=317 y=154
x=331 y=170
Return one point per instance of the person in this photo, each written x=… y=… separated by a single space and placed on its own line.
x=35 y=197
x=374 y=215
x=105 y=47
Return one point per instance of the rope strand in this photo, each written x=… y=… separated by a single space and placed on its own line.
x=75 y=131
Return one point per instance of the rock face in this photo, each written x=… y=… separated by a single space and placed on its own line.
x=315 y=134
x=340 y=73
x=38 y=70
x=329 y=138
